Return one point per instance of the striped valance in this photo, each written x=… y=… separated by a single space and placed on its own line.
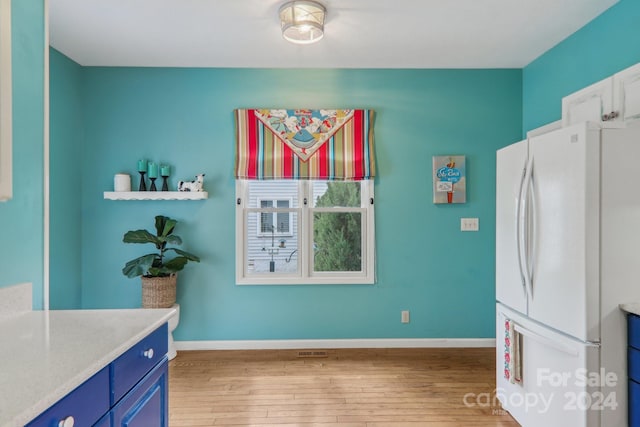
x=304 y=144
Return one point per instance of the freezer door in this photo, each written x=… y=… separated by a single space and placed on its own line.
x=563 y=239
x=511 y=162
x=560 y=379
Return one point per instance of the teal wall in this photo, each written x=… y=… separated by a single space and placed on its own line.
x=603 y=47
x=184 y=117
x=425 y=264
x=21 y=251
x=66 y=147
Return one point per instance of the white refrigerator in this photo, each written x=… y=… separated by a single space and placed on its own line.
x=567 y=254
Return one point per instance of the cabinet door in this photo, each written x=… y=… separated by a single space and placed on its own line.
x=588 y=104
x=634 y=404
x=147 y=403
x=626 y=96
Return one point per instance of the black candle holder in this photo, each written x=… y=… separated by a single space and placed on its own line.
x=143 y=185
x=153 y=184
x=165 y=185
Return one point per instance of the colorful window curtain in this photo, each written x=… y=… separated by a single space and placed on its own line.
x=304 y=144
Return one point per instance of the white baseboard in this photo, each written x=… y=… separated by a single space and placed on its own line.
x=340 y=343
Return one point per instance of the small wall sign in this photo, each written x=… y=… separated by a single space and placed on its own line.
x=449 y=179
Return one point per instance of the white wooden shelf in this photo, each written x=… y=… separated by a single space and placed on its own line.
x=156 y=195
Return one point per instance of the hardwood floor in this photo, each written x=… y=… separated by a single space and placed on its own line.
x=347 y=388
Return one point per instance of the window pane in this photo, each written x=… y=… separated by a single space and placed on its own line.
x=331 y=194
x=262 y=194
x=283 y=222
x=269 y=252
x=266 y=222
x=337 y=241
x=266 y=219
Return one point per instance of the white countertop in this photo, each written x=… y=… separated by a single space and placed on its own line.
x=633 y=308
x=45 y=355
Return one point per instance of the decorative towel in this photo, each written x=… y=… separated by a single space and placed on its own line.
x=512 y=353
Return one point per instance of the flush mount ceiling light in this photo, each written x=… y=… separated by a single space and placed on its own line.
x=302 y=22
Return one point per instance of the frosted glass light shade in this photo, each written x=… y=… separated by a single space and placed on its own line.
x=302 y=22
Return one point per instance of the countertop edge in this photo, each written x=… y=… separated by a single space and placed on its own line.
x=29 y=414
x=631 y=308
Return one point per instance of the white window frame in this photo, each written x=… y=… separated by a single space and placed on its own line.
x=274 y=202
x=305 y=274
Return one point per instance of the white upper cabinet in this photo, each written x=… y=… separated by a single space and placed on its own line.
x=592 y=103
x=626 y=93
x=616 y=98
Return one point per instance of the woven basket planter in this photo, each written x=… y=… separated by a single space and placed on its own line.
x=159 y=292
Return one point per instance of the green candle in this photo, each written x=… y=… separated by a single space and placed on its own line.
x=165 y=170
x=153 y=170
x=142 y=165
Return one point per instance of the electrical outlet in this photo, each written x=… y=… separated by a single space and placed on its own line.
x=405 y=316
x=469 y=224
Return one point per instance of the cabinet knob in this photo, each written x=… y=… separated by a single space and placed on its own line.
x=148 y=354
x=67 y=422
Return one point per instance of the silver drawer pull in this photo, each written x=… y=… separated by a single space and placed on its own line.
x=67 y=422
x=148 y=354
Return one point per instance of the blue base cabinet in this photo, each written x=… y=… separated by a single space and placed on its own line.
x=132 y=391
x=86 y=404
x=634 y=404
x=146 y=404
x=633 y=368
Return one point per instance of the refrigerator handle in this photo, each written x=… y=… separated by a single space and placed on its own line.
x=519 y=222
x=546 y=341
x=531 y=230
x=524 y=227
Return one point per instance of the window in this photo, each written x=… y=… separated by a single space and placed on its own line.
x=274 y=222
x=304 y=232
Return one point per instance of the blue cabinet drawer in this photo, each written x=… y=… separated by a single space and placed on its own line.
x=129 y=368
x=146 y=405
x=633 y=364
x=634 y=330
x=86 y=404
x=634 y=404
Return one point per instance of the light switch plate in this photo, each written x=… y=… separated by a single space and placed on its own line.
x=469 y=224
x=405 y=316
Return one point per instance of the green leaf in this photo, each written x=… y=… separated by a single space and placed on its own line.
x=139 y=266
x=160 y=221
x=185 y=254
x=173 y=239
x=165 y=225
x=169 y=226
x=176 y=264
x=140 y=236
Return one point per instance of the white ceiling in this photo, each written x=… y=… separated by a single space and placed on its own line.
x=358 y=33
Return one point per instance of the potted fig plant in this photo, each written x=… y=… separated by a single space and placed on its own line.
x=158 y=274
